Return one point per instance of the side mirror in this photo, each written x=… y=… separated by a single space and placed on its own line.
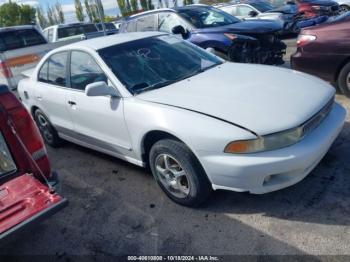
x=253 y=13
x=179 y=29
x=100 y=89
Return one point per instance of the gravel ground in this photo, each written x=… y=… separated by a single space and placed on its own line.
x=117 y=209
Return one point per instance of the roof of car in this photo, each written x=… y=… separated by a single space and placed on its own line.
x=106 y=41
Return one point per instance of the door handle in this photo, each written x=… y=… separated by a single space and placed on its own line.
x=72 y=103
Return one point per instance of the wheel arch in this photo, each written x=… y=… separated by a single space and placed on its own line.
x=153 y=136
x=340 y=67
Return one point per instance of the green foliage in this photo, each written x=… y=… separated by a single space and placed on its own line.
x=59 y=13
x=88 y=10
x=12 y=14
x=79 y=11
x=41 y=17
x=190 y=2
x=134 y=5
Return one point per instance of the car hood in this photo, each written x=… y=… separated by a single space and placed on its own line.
x=263 y=99
x=251 y=26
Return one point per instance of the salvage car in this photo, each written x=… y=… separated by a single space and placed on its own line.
x=27 y=185
x=198 y=122
x=344 y=6
x=312 y=8
x=252 y=41
x=324 y=51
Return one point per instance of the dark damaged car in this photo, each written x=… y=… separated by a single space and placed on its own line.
x=245 y=41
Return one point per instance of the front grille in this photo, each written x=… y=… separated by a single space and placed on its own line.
x=314 y=121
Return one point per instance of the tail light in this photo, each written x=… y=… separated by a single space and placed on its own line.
x=28 y=133
x=4 y=70
x=305 y=39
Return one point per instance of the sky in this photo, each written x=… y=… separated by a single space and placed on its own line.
x=110 y=6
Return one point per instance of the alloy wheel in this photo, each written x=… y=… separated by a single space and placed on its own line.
x=45 y=128
x=172 y=176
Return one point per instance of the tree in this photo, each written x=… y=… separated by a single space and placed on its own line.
x=79 y=12
x=12 y=14
x=144 y=5
x=122 y=7
x=189 y=2
x=88 y=10
x=52 y=16
x=150 y=5
x=41 y=17
x=59 y=12
x=134 y=5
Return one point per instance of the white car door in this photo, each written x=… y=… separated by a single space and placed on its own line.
x=51 y=91
x=98 y=121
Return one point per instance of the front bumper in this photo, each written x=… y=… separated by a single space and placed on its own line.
x=270 y=171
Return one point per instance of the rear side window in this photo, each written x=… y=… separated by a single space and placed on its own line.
x=84 y=70
x=147 y=23
x=54 y=70
x=15 y=39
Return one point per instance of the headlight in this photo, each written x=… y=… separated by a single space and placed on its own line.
x=7 y=165
x=265 y=143
x=230 y=36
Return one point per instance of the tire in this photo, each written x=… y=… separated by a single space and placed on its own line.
x=343 y=9
x=48 y=132
x=344 y=80
x=185 y=181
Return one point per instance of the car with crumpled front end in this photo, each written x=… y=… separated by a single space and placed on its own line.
x=251 y=41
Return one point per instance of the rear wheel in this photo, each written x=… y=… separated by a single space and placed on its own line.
x=178 y=173
x=344 y=80
x=47 y=130
x=343 y=9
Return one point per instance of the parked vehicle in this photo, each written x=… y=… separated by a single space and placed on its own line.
x=200 y=123
x=312 y=8
x=108 y=26
x=324 y=51
x=21 y=48
x=210 y=28
x=344 y=6
x=26 y=181
x=65 y=32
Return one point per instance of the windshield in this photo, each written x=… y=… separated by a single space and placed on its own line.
x=203 y=17
x=76 y=30
x=151 y=63
x=262 y=6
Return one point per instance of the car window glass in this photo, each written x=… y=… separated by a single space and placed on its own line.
x=167 y=21
x=85 y=70
x=15 y=39
x=230 y=9
x=130 y=26
x=243 y=10
x=57 y=69
x=147 y=23
x=42 y=77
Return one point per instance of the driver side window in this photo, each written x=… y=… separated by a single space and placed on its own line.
x=84 y=70
x=167 y=21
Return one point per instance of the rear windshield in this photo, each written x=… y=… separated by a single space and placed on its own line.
x=15 y=39
x=76 y=30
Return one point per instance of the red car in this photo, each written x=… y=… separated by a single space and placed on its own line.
x=27 y=185
x=324 y=51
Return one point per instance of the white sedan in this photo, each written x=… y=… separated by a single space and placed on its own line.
x=198 y=122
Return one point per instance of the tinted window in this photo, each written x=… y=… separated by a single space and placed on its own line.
x=109 y=26
x=76 y=30
x=14 y=39
x=84 y=71
x=57 y=69
x=167 y=21
x=156 y=61
x=262 y=6
x=147 y=23
x=203 y=17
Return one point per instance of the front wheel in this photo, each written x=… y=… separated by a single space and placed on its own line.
x=344 y=80
x=343 y=9
x=178 y=173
